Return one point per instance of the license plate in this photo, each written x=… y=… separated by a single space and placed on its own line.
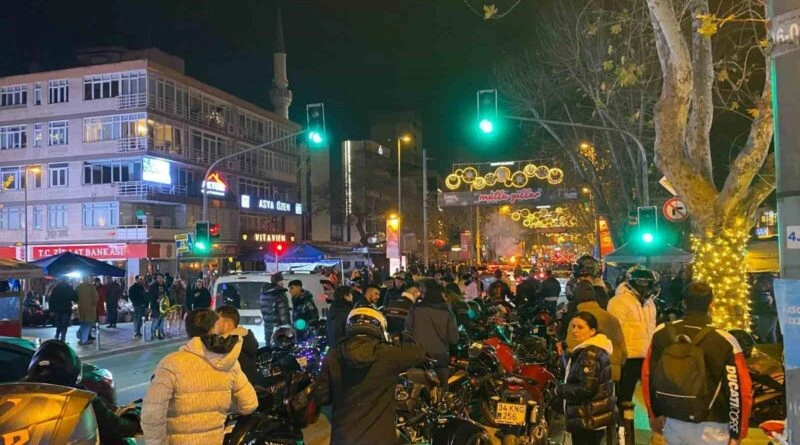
x=510 y=414
x=303 y=362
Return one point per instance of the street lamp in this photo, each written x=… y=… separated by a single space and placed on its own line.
x=35 y=169
x=404 y=138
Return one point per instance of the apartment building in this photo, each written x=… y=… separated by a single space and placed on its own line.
x=108 y=159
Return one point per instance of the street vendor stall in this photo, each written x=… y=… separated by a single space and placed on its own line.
x=11 y=298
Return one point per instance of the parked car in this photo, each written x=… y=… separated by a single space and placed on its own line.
x=16 y=353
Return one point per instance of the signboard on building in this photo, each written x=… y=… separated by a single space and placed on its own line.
x=214 y=185
x=393 y=238
x=271 y=205
x=156 y=170
x=529 y=196
x=116 y=251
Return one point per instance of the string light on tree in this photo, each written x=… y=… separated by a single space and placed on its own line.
x=720 y=261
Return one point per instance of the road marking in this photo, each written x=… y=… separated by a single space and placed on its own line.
x=128 y=388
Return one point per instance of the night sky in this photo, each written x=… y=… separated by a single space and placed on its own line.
x=358 y=57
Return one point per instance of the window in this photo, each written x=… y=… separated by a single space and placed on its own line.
x=59 y=175
x=11 y=218
x=59 y=132
x=38 y=217
x=12 y=96
x=37 y=94
x=12 y=178
x=101 y=214
x=134 y=83
x=12 y=137
x=108 y=172
x=59 y=91
x=35 y=177
x=37 y=135
x=107 y=128
x=57 y=216
x=100 y=86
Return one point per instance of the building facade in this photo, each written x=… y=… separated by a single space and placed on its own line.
x=109 y=160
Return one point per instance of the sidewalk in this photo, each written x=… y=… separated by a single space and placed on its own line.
x=110 y=341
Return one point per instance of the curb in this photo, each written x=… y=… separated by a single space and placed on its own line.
x=103 y=353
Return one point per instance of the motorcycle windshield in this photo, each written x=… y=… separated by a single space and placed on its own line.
x=42 y=413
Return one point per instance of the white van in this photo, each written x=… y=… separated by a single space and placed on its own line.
x=248 y=286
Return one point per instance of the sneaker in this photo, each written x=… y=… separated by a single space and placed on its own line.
x=137 y=336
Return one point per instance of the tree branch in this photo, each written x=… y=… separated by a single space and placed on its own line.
x=751 y=159
x=698 y=136
x=762 y=186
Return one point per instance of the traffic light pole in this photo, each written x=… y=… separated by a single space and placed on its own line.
x=645 y=185
x=233 y=155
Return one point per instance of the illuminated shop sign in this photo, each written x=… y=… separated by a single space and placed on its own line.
x=156 y=170
x=214 y=185
x=246 y=202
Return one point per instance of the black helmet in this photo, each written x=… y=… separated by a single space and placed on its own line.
x=366 y=321
x=586 y=265
x=55 y=362
x=282 y=338
x=643 y=281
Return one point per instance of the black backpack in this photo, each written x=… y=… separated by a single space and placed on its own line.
x=682 y=386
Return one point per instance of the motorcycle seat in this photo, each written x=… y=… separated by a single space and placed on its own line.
x=423 y=376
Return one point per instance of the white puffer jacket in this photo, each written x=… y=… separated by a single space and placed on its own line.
x=193 y=390
x=638 y=319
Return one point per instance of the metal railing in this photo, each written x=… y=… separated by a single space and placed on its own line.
x=133 y=232
x=131 y=101
x=143 y=190
x=139 y=143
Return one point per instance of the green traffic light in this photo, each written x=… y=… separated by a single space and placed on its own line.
x=315 y=137
x=647 y=237
x=486 y=126
x=200 y=245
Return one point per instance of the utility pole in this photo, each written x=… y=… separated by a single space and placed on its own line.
x=425 y=207
x=784 y=19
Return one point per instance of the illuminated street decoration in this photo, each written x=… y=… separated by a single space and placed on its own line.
x=503 y=176
x=545 y=218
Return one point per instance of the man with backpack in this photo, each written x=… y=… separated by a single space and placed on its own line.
x=695 y=380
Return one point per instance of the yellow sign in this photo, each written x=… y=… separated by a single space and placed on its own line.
x=510 y=414
x=269 y=237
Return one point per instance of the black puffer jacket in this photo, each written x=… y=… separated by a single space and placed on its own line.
x=304 y=308
x=433 y=326
x=337 y=321
x=274 y=308
x=358 y=378
x=588 y=393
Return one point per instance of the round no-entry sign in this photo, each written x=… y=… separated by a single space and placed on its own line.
x=675 y=210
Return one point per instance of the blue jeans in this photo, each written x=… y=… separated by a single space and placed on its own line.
x=84 y=330
x=157 y=326
x=138 y=319
x=62 y=320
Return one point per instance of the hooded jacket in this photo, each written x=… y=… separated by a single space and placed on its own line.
x=434 y=327
x=304 y=308
x=248 y=355
x=724 y=359
x=358 y=379
x=609 y=326
x=638 y=319
x=588 y=391
x=274 y=309
x=192 y=391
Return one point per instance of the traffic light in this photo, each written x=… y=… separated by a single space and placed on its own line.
x=315 y=119
x=213 y=230
x=648 y=225
x=202 y=237
x=487 y=110
x=279 y=248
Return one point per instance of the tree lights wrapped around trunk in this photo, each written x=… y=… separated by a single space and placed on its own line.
x=720 y=262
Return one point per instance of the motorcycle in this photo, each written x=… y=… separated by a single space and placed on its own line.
x=767 y=376
x=416 y=396
x=518 y=406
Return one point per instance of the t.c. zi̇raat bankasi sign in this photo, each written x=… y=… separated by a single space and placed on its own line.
x=530 y=195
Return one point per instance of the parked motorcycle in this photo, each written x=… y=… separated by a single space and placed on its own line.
x=767 y=376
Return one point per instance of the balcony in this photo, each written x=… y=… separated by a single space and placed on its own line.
x=144 y=233
x=127 y=145
x=129 y=101
x=144 y=191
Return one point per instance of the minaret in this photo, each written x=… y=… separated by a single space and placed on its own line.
x=280 y=94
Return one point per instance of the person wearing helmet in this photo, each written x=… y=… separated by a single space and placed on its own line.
x=57 y=364
x=358 y=379
x=274 y=305
x=635 y=309
x=588 y=269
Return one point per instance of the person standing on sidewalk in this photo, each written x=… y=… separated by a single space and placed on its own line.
x=87 y=309
x=61 y=298
x=158 y=291
x=138 y=297
x=101 y=298
x=695 y=380
x=113 y=294
x=201 y=297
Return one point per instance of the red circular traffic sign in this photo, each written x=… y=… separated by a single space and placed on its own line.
x=675 y=210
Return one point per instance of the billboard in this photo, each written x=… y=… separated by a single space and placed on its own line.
x=156 y=170
x=526 y=196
